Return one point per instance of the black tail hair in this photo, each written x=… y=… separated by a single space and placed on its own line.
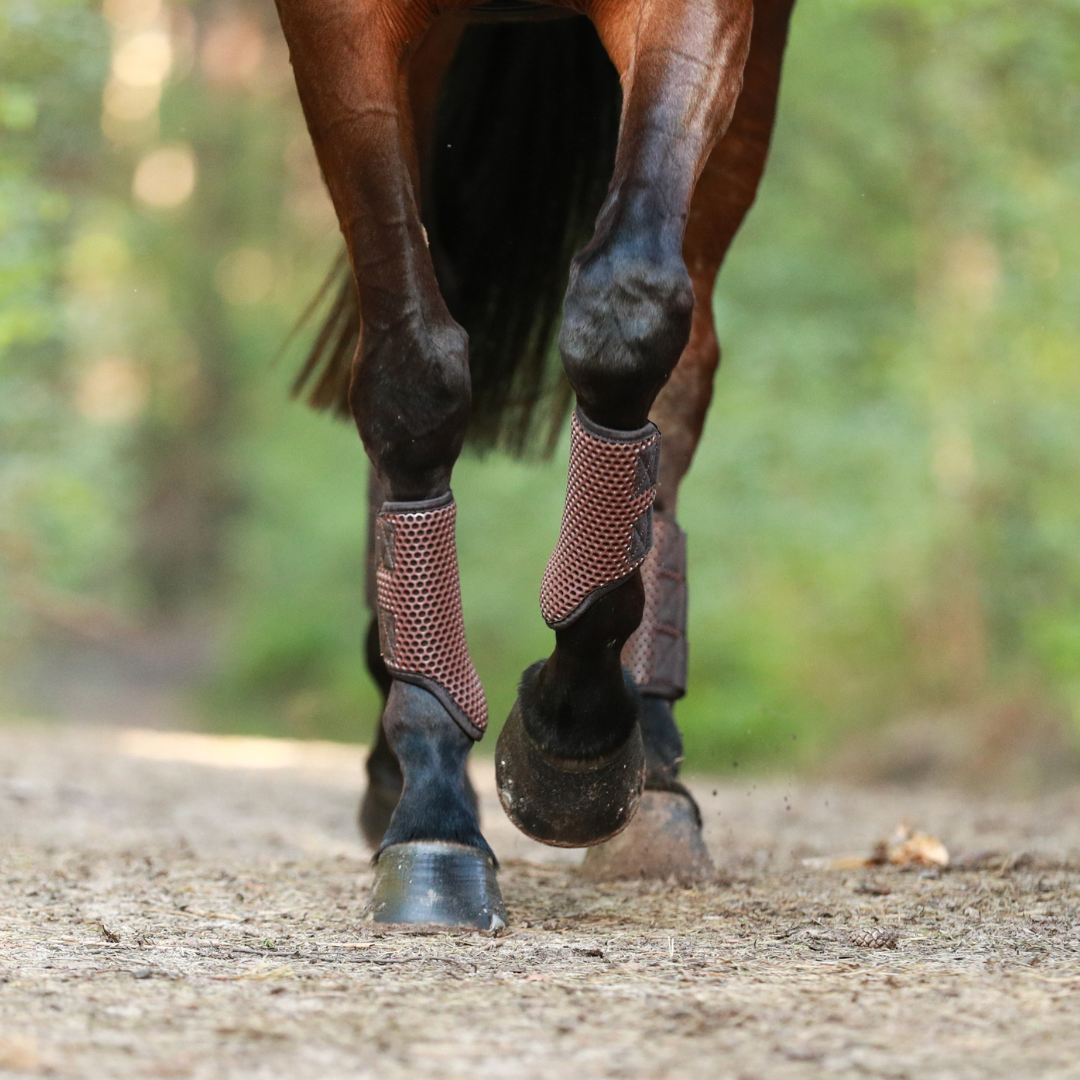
x=524 y=148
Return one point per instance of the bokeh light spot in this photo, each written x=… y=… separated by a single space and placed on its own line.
x=112 y=390
x=165 y=178
x=144 y=59
x=125 y=102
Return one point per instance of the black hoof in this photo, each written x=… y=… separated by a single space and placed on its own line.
x=663 y=841
x=436 y=882
x=564 y=802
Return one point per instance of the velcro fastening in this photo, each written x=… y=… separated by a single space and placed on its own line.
x=607 y=520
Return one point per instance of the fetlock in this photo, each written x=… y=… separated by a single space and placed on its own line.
x=432 y=749
x=383 y=791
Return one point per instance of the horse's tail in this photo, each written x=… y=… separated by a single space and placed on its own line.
x=524 y=147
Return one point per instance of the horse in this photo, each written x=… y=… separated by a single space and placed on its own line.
x=505 y=173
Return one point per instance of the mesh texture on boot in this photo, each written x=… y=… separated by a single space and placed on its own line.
x=421 y=628
x=607 y=519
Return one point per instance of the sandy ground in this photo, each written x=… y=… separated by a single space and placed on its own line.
x=187 y=906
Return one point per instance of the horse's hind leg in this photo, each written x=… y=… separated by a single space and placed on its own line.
x=384 y=779
x=410 y=396
x=664 y=839
x=570 y=762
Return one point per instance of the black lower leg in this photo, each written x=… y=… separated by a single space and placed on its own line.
x=431 y=749
x=663 y=744
x=433 y=865
x=656 y=653
x=383 y=769
x=385 y=780
x=579 y=703
x=569 y=763
x=663 y=749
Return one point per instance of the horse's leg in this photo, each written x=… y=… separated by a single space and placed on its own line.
x=410 y=396
x=570 y=761
x=385 y=781
x=664 y=839
x=429 y=63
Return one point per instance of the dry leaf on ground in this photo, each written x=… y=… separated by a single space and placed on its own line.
x=907 y=848
x=903 y=848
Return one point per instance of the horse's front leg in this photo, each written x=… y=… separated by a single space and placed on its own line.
x=384 y=778
x=410 y=396
x=570 y=762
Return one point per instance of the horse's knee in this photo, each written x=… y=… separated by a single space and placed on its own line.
x=411 y=397
x=626 y=321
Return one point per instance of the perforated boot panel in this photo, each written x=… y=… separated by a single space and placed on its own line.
x=656 y=652
x=607 y=520
x=421 y=628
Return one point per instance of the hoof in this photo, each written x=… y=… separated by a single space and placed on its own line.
x=663 y=841
x=436 y=882
x=563 y=802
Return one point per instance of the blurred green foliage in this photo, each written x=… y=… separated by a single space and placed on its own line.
x=883 y=516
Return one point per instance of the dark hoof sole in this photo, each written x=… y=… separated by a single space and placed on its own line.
x=436 y=882
x=663 y=841
x=562 y=802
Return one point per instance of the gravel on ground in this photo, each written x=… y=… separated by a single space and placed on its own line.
x=176 y=905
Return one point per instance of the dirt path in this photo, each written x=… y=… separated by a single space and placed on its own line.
x=231 y=878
